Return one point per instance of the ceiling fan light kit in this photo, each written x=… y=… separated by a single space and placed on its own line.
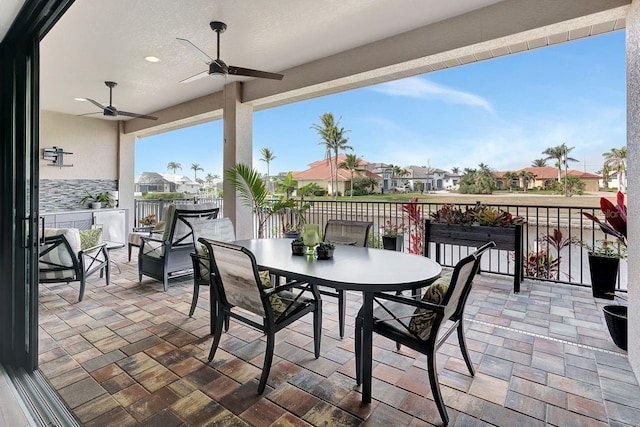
x=217 y=67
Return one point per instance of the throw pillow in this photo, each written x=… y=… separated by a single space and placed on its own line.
x=277 y=306
x=422 y=320
x=90 y=238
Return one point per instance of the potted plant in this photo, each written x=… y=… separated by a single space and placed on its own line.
x=298 y=247
x=393 y=236
x=610 y=252
x=325 y=250
x=96 y=201
x=474 y=226
x=289 y=211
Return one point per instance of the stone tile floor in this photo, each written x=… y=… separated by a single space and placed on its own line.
x=129 y=355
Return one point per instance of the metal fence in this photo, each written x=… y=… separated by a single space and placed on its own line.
x=541 y=221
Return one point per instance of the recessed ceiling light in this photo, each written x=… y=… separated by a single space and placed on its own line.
x=151 y=59
x=79 y=99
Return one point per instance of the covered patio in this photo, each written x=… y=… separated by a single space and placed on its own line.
x=128 y=354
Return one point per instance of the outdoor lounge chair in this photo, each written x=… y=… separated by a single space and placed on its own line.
x=169 y=254
x=69 y=255
x=239 y=284
x=416 y=323
x=343 y=232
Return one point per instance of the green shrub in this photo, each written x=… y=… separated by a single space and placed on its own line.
x=148 y=196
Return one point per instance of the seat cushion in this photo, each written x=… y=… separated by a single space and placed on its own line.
x=422 y=320
x=90 y=238
x=277 y=306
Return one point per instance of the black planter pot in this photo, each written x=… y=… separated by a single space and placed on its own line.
x=616 y=317
x=604 y=273
x=298 y=250
x=324 y=254
x=393 y=243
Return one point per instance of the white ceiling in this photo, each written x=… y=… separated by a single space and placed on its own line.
x=108 y=40
x=8 y=11
x=97 y=41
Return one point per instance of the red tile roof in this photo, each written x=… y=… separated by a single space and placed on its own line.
x=320 y=171
x=549 y=172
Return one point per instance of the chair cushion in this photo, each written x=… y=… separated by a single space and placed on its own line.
x=90 y=238
x=277 y=306
x=422 y=320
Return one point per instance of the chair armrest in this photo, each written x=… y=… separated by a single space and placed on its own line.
x=92 y=249
x=146 y=239
x=418 y=303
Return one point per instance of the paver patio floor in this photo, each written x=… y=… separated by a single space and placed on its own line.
x=129 y=355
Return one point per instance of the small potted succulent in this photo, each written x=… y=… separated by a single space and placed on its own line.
x=325 y=250
x=298 y=247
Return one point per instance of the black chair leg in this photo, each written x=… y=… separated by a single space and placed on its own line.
x=358 y=349
x=341 y=311
x=129 y=250
x=194 y=300
x=82 y=284
x=317 y=327
x=268 y=359
x=435 y=386
x=463 y=347
x=217 y=334
x=165 y=281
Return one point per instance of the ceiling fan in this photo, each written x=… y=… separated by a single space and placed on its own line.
x=112 y=111
x=217 y=67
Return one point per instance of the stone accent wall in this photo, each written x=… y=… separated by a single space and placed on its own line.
x=65 y=194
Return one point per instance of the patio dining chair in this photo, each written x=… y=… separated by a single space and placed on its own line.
x=417 y=323
x=344 y=232
x=240 y=289
x=219 y=229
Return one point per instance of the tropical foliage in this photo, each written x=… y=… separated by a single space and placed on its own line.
x=561 y=154
x=250 y=186
x=479 y=214
x=352 y=164
x=267 y=157
x=174 y=166
x=477 y=181
x=195 y=167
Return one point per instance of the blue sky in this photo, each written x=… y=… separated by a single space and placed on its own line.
x=503 y=112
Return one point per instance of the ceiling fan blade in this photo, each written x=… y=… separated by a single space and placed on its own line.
x=97 y=104
x=196 y=77
x=196 y=51
x=137 y=116
x=239 y=71
x=89 y=114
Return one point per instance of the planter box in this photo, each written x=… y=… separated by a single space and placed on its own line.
x=393 y=243
x=506 y=238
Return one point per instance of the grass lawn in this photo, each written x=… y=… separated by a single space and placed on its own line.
x=532 y=198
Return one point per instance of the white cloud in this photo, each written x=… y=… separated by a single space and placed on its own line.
x=421 y=88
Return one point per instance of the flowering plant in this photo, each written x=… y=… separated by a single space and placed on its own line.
x=389 y=229
x=148 y=220
x=615 y=218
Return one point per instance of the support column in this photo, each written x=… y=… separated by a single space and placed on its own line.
x=126 y=174
x=633 y=176
x=238 y=145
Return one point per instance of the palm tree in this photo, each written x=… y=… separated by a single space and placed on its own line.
x=539 y=163
x=267 y=157
x=526 y=177
x=209 y=180
x=509 y=177
x=195 y=167
x=352 y=164
x=561 y=154
x=332 y=137
x=455 y=170
x=174 y=166
x=605 y=172
x=616 y=159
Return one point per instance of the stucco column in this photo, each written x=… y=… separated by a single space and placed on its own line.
x=126 y=173
x=633 y=173
x=238 y=133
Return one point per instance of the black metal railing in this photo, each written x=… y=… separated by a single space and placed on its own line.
x=541 y=221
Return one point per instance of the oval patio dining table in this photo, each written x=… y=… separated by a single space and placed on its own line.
x=352 y=268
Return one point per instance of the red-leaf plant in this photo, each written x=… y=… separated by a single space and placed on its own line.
x=615 y=218
x=413 y=213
